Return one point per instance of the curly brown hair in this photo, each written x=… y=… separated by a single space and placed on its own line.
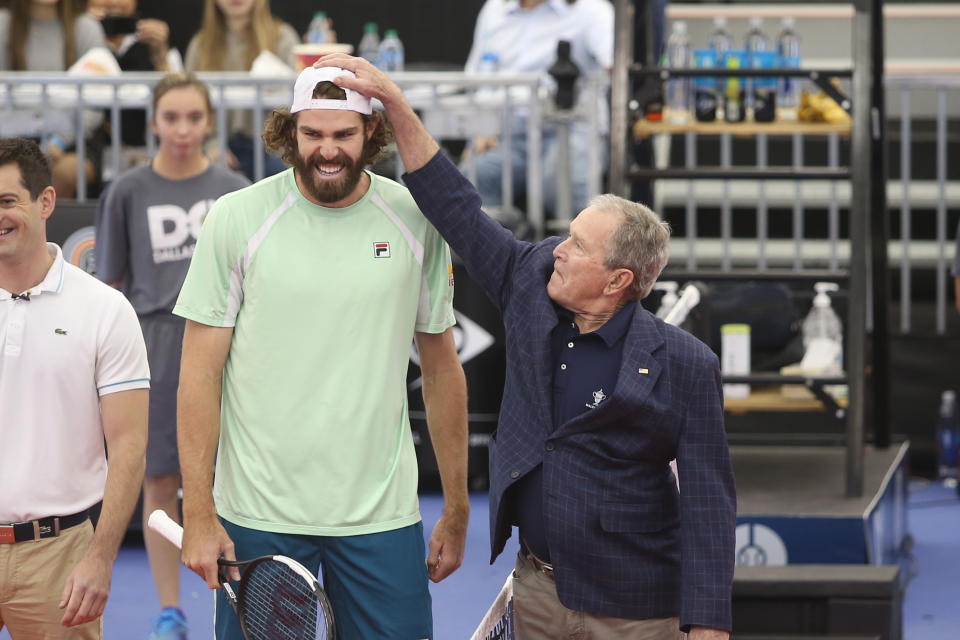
x=280 y=129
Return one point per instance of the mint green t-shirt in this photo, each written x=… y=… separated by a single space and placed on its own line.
x=315 y=437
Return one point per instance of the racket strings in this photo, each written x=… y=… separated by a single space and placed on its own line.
x=500 y=629
x=498 y=623
x=278 y=604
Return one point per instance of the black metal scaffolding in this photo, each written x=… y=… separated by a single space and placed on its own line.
x=867 y=333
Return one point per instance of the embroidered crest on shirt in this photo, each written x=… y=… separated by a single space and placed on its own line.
x=381 y=249
x=598 y=397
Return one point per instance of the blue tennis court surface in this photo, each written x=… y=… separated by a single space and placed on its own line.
x=460 y=601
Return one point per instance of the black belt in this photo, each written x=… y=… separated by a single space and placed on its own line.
x=43 y=528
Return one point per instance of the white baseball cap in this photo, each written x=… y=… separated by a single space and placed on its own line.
x=307 y=80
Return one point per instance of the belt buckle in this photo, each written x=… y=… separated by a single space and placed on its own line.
x=6 y=534
x=546 y=569
x=543 y=567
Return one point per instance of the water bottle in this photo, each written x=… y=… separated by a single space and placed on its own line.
x=391 y=52
x=488 y=67
x=678 y=89
x=720 y=39
x=489 y=63
x=788 y=48
x=319 y=30
x=756 y=40
x=369 y=47
x=948 y=436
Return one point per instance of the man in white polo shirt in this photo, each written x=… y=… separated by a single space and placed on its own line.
x=301 y=301
x=73 y=373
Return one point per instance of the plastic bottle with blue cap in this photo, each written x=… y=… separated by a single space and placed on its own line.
x=319 y=30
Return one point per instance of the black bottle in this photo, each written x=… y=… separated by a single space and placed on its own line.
x=565 y=71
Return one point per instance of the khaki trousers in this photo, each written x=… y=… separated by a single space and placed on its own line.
x=32 y=575
x=539 y=614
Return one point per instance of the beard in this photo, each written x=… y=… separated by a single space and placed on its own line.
x=328 y=190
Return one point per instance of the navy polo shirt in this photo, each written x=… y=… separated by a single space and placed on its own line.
x=585 y=368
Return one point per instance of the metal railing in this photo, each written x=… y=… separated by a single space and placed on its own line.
x=453 y=105
x=938 y=253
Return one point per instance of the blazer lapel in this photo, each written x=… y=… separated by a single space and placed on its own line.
x=545 y=319
x=639 y=367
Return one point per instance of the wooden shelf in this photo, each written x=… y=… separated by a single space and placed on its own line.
x=772 y=399
x=645 y=128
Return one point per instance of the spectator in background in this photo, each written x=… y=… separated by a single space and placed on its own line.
x=50 y=35
x=139 y=44
x=232 y=35
x=147 y=227
x=523 y=36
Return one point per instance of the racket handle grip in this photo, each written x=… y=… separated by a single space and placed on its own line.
x=163 y=524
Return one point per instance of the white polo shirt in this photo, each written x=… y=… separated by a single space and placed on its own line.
x=74 y=340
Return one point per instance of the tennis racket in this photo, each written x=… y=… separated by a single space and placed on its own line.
x=498 y=623
x=277 y=597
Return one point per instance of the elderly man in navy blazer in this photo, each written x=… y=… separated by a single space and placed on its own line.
x=600 y=396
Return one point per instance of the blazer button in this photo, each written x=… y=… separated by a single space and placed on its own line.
x=549 y=447
x=514 y=474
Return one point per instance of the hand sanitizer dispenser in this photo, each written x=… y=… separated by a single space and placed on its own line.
x=822 y=334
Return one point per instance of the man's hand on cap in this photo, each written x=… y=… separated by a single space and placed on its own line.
x=370 y=80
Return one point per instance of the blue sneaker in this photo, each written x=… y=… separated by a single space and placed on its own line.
x=169 y=625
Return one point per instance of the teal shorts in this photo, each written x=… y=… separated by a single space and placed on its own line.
x=377 y=583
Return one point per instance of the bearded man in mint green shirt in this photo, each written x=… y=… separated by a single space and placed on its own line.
x=301 y=301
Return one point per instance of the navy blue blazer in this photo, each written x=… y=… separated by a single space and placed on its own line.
x=623 y=542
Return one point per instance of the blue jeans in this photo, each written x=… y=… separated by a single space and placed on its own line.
x=242 y=147
x=490 y=165
x=377 y=583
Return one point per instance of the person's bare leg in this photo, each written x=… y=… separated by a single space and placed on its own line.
x=160 y=492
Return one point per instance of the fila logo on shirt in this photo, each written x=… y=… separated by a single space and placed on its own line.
x=381 y=249
x=173 y=231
